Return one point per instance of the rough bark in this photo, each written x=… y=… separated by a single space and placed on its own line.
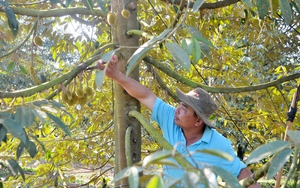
x=123 y=102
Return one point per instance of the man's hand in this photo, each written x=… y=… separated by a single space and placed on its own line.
x=112 y=67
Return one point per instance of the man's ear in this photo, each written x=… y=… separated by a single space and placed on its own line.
x=199 y=122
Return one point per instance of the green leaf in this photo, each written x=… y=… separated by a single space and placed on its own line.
x=179 y=54
x=187 y=45
x=134 y=177
x=196 y=34
x=24 y=116
x=154 y=157
x=3 y=133
x=12 y=21
x=156 y=181
x=48 y=154
x=197 y=5
x=142 y=51
x=40 y=115
x=229 y=178
x=23 y=69
x=169 y=162
x=262 y=7
x=99 y=78
x=278 y=162
x=107 y=56
x=298 y=2
x=15 y=129
x=217 y=153
x=31 y=148
x=248 y=3
x=88 y=4
x=20 y=150
x=205 y=48
x=266 y=150
x=286 y=10
x=59 y=123
x=197 y=53
x=69 y=2
x=100 y=74
x=175 y=8
x=125 y=173
x=294 y=136
x=14 y=168
x=191 y=179
x=11 y=66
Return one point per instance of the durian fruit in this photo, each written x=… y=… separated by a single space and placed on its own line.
x=82 y=101
x=125 y=13
x=79 y=92
x=73 y=100
x=89 y=91
x=111 y=18
x=69 y=95
x=64 y=97
x=38 y=41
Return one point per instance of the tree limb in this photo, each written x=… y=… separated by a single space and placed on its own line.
x=193 y=84
x=71 y=74
x=55 y=12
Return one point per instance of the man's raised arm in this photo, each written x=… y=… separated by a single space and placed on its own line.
x=133 y=87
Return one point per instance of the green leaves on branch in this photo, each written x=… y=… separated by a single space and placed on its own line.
x=11 y=18
x=142 y=51
x=263 y=7
x=179 y=55
x=24 y=117
x=266 y=150
x=14 y=168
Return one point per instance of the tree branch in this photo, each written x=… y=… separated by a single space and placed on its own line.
x=192 y=84
x=71 y=74
x=55 y=12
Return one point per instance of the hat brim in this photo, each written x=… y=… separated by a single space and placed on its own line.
x=186 y=99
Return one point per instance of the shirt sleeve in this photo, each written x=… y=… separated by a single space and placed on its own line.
x=163 y=114
x=234 y=166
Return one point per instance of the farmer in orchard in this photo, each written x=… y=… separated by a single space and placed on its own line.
x=187 y=126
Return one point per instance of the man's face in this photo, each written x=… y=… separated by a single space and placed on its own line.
x=185 y=116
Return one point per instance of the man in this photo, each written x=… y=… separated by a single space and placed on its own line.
x=187 y=127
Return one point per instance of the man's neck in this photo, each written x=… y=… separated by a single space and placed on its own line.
x=192 y=136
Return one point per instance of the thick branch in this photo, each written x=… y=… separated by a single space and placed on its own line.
x=192 y=84
x=23 y=42
x=55 y=12
x=59 y=80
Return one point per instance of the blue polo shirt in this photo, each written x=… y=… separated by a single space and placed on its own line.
x=164 y=114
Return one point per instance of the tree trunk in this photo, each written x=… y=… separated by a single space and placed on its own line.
x=123 y=102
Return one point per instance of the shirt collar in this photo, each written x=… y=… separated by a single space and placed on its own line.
x=206 y=137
